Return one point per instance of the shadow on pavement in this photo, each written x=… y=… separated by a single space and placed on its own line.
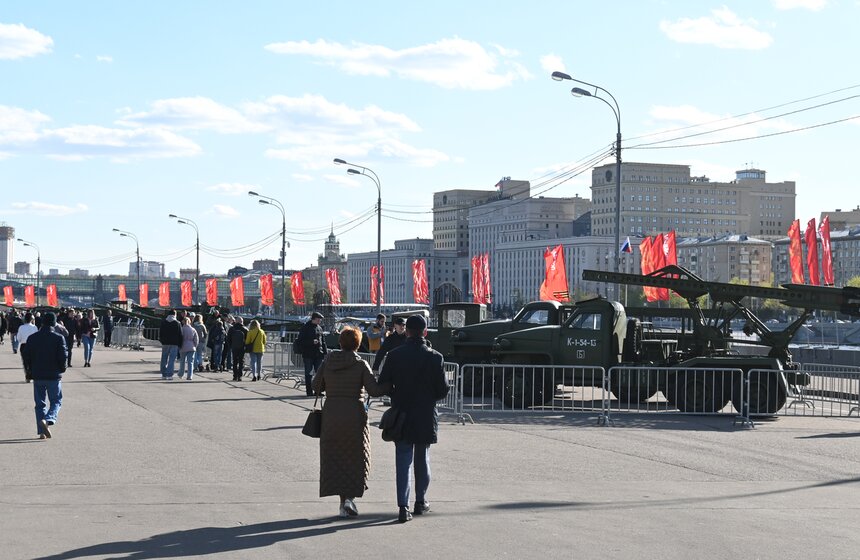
x=836 y=435
x=273 y=428
x=590 y=420
x=214 y=540
x=22 y=440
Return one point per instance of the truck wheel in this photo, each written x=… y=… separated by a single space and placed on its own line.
x=766 y=395
x=697 y=393
x=521 y=389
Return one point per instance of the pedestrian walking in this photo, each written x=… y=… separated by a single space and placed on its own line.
x=170 y=336
x=345 y=455
x=227 y=350
x=202 y=339
x=71 y=325
x=417 y=379
x=14 y=324
x=89 y=328
x=217 y=334
x=256 y=338
x=237 y=347
x=188 y=349
x=45 y=355
x=4 y=326
x=24 y=332
x=312 y=344
x=107 y=325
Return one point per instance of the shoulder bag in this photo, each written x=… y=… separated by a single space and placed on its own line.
x=392 y=423
x=250 y=347
x=313 y=425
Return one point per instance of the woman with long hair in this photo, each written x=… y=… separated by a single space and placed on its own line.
x=257 y=339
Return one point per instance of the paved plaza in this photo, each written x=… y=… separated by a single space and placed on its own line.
x=140 y=468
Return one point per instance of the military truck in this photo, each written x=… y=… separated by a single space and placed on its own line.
x=600 y=333
x=450 y=317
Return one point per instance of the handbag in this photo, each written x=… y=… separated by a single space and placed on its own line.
x=313 y=424
x=392 y=423
x=250 y=347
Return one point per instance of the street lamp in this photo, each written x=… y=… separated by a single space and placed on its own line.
x=38 y=265
x=272 y=202
x=186 y=221
x=137 y=252
x=579 y=92
x=367 y=172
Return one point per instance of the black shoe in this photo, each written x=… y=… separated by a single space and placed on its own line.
x=404 y=515
x=421 y=508
x=45 y=429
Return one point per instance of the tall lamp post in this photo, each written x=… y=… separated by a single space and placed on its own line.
x=137 y=252
x=369 y=173
x=186 y=221
x=38 y=265
x=579 y=92
x=272 y=202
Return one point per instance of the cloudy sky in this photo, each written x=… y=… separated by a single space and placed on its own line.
x=116 y=114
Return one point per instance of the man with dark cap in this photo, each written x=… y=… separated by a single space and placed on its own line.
x=393 y=339
x=417 y=381
x=45 y=356
x=312 y=344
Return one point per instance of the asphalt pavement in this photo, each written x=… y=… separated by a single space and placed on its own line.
x=139 y=468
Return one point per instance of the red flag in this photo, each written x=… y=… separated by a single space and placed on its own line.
x=670 y=248
x=795 y=255
x=419 y=281
x=51 y=291
x=297 y=287
x=381 y=285
x=267 y=290
x=646 y=266
x=144 y=295
x=8 y=295
x=373 y=284
x=333 y=285
x=658 y=261
x=811 y=239
x=485 y=277
x=30 y=296
x=237 y=291
x=212 y=291
x=554 y=286
x=121 y=292
x=185 y=292
x=477 y=284
x=164 y=294
x=826 y=255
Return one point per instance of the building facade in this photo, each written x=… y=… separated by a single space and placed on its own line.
x=331 y=257
x=22 y=267
x=845 y=249
x=397 y=267
x=840 y=220
x=7 y=246
x=721 y=259
x=148 y=269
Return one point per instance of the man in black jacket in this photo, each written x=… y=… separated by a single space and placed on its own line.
x=312 y=343
x=71 y=325
x=417 y=378
x=45 y=356
x=393 y=339
x=170 y=337
x=236 y=338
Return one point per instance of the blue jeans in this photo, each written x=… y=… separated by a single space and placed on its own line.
x=215 y=362
x=198 y=355
x=186 y=359
x=168 y=357
x=405 y=452
x=14 y=342
x=43 y=391
x=256 y=364
x=88 y=341
x=312 y=365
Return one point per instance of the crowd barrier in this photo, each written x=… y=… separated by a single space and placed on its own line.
x=832 y=391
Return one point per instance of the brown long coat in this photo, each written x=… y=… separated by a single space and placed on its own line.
x=345 y=442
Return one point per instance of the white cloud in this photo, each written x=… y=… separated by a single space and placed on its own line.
x=47 y=209
x=193 y=113
x=448 y=63
x=18 y=41
x=104 y=58
x=722 y=29
x=19 y=125
x=344 y=180
x=302 y=177
x=87 y=141
x=224 y=210
x=552 y=62
x=232 y=189
x=812 y=5
x=695 y=121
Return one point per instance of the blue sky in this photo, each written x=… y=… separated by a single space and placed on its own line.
x=115 y=114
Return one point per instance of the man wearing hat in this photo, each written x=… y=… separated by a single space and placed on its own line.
x=392 y=340
x=312 y=344
x=45 y=356
x=418 y=380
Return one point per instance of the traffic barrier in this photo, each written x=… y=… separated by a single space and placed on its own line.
x=833 y=390
x=281 y=363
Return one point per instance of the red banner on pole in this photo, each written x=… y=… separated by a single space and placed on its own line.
x=826 y=254
x=121 y=295
x=333 y=283
x=267 y=290
x=381 y=285
x=30 y=296
x=51 y=291
x=164 y=294
x=658 y=261
x=420 y=290
x=380 y=275
x=297 y=288
x=670 y=248
x=811 y=238
x=144 y=295
x=646 y=266
x=485 y=277
x=212 y=291
x=237 y=291
x=554 y=286
x=795 y=255
x=477 y=281
x=8 y=295
x=185 y=293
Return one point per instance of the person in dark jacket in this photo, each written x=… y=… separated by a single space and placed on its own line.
x=236 y=337
x=45 y=356
x=417 y=378
x=71 y=325
x=393 y=340
x=15 y=323
x=311 y=340
x=217 y=334
x=170 y=336
x=107 y=324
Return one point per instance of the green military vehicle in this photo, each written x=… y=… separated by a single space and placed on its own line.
x=600 y=333
x=449 y=318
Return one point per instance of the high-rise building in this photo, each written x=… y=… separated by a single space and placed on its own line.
x=79 y=273
x=266 y=265
x=7 y=244
x=22 y=267
x=842 y=220
x=148 y=269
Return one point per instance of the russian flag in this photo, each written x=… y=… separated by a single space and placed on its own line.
x=626 y=247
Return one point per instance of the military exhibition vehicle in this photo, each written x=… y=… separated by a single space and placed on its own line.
x=601 y=333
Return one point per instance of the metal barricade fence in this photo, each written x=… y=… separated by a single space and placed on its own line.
x=519 y=388
x=280 y=362
x=833 y=390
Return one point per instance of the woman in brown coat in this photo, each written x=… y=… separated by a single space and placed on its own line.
x=345 y=442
